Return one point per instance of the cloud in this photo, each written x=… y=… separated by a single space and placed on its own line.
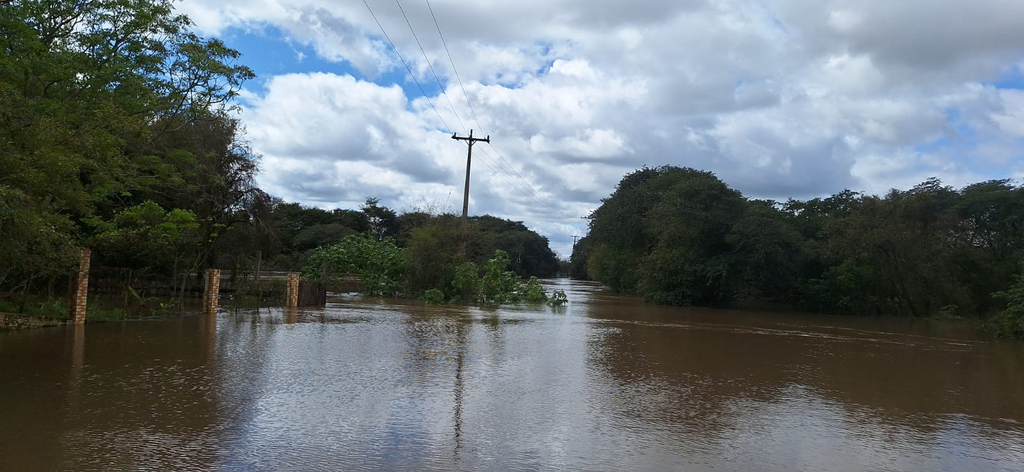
x=788 y=98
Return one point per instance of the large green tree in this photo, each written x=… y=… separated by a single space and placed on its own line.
x=88 y=89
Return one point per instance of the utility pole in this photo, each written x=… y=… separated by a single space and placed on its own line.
x=574 y=242
x=469 y=161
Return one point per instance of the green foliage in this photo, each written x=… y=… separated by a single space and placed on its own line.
x=844 y=289
x=96 y=313
x=106 y=105
x=433 y=297
x=681 y=236
x=33 y=242
x=668 y=234
x=147 y=237
x=434 y=252
x=532 y=291
x=381 y=265
x=578 y=268
x=466 y=283
x=558 y=299
x=529 y=253
x=383 y=221
x=45 y=308
x=1010 y=322
x=948 y=313
x=498 y=285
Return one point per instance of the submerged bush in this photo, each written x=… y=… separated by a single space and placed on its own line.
x=433 y=297
x=532 y=291
x=380 y=264
x=558 y=298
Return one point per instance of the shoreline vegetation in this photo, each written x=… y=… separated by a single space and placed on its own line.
x=119 y=133
x=681 y=236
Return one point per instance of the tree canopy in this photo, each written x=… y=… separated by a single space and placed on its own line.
x=682 y=236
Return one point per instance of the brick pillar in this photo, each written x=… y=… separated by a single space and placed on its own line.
x=293 y=290
x=81 y=289
x=211 y=291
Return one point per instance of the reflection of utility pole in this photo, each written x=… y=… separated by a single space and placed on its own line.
x=469 y=160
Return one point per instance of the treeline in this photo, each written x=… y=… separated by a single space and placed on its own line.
x=443 y=260
x=118 y=134
x=297 y=230
x=681 y=236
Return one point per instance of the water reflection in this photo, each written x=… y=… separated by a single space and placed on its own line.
x=604 y=383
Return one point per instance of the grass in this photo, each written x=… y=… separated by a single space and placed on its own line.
x=46 y=309
x=94 y=313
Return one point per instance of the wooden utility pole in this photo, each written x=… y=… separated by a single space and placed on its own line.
x=469 y=161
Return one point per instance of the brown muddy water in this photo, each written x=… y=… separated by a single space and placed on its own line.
x=607 y=383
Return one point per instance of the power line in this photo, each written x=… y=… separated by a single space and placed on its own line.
x=429 y=65
x=527 y=183
x=473 y=111
x=452 y=61
x=525 y=187
x=385 y=33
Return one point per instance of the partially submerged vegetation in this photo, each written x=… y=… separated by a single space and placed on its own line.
x=682 y=236
x=437 y=265
x=118 y=134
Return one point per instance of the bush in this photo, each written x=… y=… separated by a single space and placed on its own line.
x=47 y=309
x=466 y=283
x=1010 y=322
x=533 y=292
x=433 y=297
x=381 y=265
x=558 y=298
x=498 y=285
x=95 y=313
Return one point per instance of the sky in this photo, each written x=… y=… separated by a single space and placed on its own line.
x=780 y=98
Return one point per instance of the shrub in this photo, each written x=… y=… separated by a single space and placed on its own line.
x=532 y=291
x=558 y=298
x=433 y=297
x=1010 y=322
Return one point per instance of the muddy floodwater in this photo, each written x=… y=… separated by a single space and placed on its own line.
x=606 y=383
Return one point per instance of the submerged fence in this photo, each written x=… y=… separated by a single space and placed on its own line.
x=122 y=290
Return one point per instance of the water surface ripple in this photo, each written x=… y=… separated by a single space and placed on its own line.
x=607 y=383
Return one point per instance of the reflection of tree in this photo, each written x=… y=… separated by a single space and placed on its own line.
x=692 y=375
x=140 y=396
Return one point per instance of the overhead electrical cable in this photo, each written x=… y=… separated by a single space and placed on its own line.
x=454 y=69
x=393 y=47
x=469 y=102
x=523 y=186
x=527 y=183
x=429 y=64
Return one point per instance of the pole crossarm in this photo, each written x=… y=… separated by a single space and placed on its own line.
x=469 y=162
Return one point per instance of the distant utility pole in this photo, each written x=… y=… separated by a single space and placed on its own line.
x=469 y=161
x=574 y=242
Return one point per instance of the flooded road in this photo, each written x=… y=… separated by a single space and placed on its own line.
x=606 y=383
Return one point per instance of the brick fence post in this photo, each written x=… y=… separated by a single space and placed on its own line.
x=211 y=291
x=81 y=289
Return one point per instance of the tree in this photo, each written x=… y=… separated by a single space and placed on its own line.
x=382 y=220
x=148 y=238
x=87 y=87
